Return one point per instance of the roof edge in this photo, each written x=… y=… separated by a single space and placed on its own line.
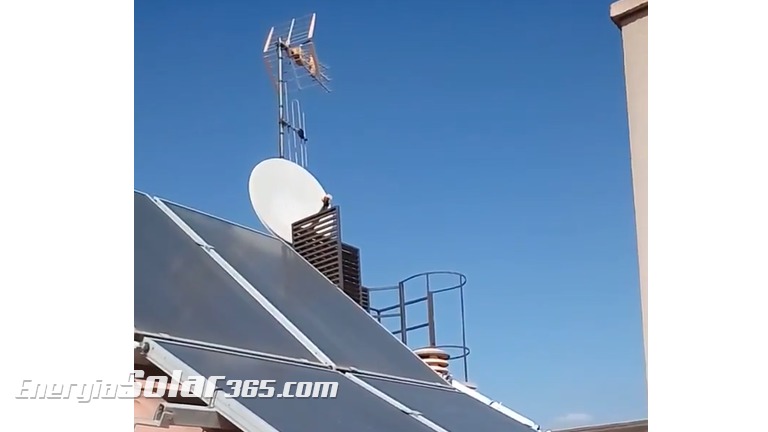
x=607 y=426
x=624 y=10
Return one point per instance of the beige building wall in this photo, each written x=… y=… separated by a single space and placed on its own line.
x=631 y=16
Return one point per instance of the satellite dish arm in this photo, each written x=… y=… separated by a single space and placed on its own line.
x=326 y=202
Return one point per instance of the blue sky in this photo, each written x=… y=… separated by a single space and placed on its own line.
x=488 y=139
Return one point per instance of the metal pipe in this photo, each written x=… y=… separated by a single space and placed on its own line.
x=411 y=328
x=403 y=322
x=408 y=303
x=280 y=100
x=304 y=141
x=463 y=332
x=391 y=315
x=431 y=317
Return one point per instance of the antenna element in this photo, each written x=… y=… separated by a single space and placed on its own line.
x=291 y=48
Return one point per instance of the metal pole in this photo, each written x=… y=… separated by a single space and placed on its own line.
x=463 y=329
x=403 y=322
x=280 y=100
x=431 y=314
x=431 y=319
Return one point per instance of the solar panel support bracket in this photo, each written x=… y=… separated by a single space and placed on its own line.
x=141 y=348
x=411 y=412
x=174 y=414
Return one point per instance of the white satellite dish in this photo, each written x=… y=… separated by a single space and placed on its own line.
x=282 y=193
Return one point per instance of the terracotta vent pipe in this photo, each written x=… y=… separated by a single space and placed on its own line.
x=435 y=358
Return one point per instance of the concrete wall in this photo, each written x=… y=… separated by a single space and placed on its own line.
x=631 y=16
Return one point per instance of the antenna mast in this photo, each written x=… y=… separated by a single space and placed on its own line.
x=291 y=60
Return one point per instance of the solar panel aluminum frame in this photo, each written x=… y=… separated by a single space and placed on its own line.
x=495 y=405
x=397 y=404
x=295 y=331
x=471 y=402
x=141 y=335
x=234 y=411
x=266 y=304
x=230 y=409
x=288 y=360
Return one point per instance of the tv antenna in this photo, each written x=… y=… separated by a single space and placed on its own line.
x=291 y=60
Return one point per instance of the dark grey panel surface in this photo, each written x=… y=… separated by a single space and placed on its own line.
x=450 y=409
x=181 y=291
x=339 y=327
x=354 y=409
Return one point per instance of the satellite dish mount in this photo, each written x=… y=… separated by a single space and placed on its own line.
x=291 y=60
